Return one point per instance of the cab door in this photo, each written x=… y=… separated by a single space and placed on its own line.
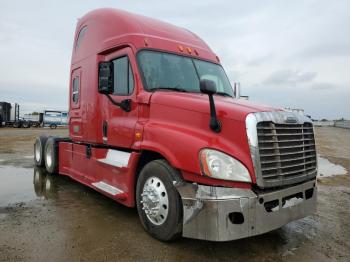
x=119 y=125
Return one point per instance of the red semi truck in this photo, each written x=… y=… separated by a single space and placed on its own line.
x=154 y=123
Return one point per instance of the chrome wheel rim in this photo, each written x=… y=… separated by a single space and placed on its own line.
x=37 y=152
x=48 y=157
x=155 y=201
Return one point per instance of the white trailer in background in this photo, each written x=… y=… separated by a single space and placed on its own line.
x=54 y=118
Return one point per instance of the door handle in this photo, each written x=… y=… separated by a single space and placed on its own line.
x=104 y=129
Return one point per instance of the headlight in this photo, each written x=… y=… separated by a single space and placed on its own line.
x=219 y=165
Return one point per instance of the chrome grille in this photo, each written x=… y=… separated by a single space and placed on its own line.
x=287 y=152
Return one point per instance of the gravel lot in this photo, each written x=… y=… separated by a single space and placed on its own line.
x=65 y=221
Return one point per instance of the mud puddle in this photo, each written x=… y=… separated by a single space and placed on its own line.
x=328 y=169
x=25 y=161
x=16 y=185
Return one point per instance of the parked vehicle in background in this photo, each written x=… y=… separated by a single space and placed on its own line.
x=154 y=123
x=53 y=118
x=33 y=120
x=9 y=115
x=5 y=112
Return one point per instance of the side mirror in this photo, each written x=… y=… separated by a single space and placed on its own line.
x=207 y=87
x=105 y=78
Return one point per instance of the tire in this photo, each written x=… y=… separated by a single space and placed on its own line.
x=168 y=227
x=16 y=124
x=26 y=124
x=51 y=155
x=53 y=126
x=39 y=150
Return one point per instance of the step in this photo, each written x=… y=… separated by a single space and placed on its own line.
x=116 y=158
x=116 y=192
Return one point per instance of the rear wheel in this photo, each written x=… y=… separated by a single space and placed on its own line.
x=51 y=155
x=39 y=150
x=26 y=124
x=53 y=126
x=158 y=202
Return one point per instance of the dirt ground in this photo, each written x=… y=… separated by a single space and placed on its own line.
x=57 y=219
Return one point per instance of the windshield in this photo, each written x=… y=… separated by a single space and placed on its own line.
x=180 y=73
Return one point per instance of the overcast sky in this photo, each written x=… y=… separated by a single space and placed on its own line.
x=285 y=53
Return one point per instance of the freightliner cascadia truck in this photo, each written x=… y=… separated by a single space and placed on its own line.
x=154 y=123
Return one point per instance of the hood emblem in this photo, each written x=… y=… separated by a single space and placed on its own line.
x=291 y=120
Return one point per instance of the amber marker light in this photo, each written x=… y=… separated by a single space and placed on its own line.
x=195 y=51
x=204 y=163
x=138 y=135
x=181 y=49
x=189 y=50
x=217 y=58
x=145 y=41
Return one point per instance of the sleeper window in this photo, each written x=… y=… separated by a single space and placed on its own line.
x=123 y=77
x=75 y=90
x=80 y=37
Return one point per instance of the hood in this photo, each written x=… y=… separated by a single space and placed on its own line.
x=226 y=107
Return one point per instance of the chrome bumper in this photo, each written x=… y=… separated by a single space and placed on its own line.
x=222 y=214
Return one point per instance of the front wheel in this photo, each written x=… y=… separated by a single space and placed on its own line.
x=158 y=202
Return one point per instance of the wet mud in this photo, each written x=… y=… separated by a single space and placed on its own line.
x=53 y=218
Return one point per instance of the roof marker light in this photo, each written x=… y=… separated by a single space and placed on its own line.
x=189 y=50
x=195 y=51
x=181 y=48
x=217 y=58
x=146 y=41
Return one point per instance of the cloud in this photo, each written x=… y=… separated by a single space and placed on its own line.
x=262 y=44
x=325 y=50
x=289 y=77
x=323 y=86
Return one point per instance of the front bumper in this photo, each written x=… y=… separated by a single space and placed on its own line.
x=222 y=214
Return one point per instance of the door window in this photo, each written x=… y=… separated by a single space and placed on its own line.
x=123 y=77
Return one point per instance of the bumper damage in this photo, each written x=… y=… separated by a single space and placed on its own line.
x=222 y=214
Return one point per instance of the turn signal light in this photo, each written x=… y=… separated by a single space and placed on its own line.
x=138 y=135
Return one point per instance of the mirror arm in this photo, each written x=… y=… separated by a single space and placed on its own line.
x=214 y=123
x=124 y=104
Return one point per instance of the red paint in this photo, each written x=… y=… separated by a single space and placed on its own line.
x=172 y=124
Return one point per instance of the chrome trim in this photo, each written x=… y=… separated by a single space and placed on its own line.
x=207 y=209
x=107 y=188
x=277 y=117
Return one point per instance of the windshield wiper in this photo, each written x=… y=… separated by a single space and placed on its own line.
x=223 y=94
x=175 y=88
